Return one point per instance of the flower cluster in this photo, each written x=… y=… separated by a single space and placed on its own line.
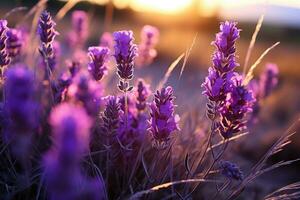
x=80 y=28
x=268 y=80
x=97 y=66
x=47 y=34
x=142 y=93
x=111 y=116
x=229 y=99
x=231 y=170
x=14 y=42
x=163 y=120
x=125 y=53
x=146 y=51
x=20 y=109
x=4 y=60
x=71 y=126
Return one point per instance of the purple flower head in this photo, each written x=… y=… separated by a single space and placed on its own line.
x=142 y=93
x=70 y=129
x=213 y=85
x=238 y=103
x=106 y=40
x=86 y=91
x=231 y=170
x=73 y=67
x=225 y=39
x=80 y=28
x=146 y=51
x=14 y=42
x=111 y=116
x=47 y=34
x=268 y=80
x=71 y=126
x=20 y=109
x=4 y=60
x=46 y=29
x=97 y=66
x=125 y=53
x=163 y=120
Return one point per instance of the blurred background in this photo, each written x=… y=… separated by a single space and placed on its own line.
x=179 y=22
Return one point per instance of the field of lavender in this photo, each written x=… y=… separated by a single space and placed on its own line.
x=85 y=122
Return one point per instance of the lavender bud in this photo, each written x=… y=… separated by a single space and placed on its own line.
x=111 y=116
x=268 y=80
x=163 y=120
x=238 y=103
x=142 y=94
x=4 y=60
x=125 y=53
x=146 y=51
x=97 y=66
x=47 y=34
x=14 y=42
x=86 y=91
x=70 y=129
x=80 y=28
x=20 y=109
x=231 y=170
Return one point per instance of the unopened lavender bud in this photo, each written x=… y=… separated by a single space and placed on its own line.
x=97 y=65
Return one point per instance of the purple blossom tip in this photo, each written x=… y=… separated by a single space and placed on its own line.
x=4 y=59
x=111 y=116
x=163 y=120
x=46 y=29
x=146 y=51
x=97 y=66
x=268 y=79
x=14 y=42
x=125 y=53
x=71 y=126
x=231 y=170
x=142 y=93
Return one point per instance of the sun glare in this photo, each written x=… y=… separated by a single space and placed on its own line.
x=162 y=6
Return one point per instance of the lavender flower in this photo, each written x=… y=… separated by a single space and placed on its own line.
x=71 y=126
x=106 y=40
x=73 y=67
x=86 y=91
x=20 y=109
x=268 y=80
x=111 y=116
x=14 y=42
x=230 y=101
x=47 y=34
x=146 y=51
x=142 y=94
x=163 y=120
x=218 y=82
x=125 y=53
x=97 y=66
x=4 y=60
x=80 y=26
x=231 y=170
x=238 y=103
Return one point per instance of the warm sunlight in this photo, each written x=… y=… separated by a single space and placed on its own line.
x=161 y=6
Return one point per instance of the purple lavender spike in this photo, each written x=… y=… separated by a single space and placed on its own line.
x=97 y=66
x=142 y=93
x=125 y=53
x=163 y=120
x=20 y=109
x=231 y=170
x=111 y=116
x=86 y=91
x=71 y=126
x=47 y=34
x=14 y=42
x=80 y=29
x=4 y=60
x=268 y=80
x=146 y=51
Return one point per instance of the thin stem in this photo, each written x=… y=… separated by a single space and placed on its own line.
x=126 y=104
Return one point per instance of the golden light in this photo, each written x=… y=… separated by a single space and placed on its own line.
x=161 y=6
